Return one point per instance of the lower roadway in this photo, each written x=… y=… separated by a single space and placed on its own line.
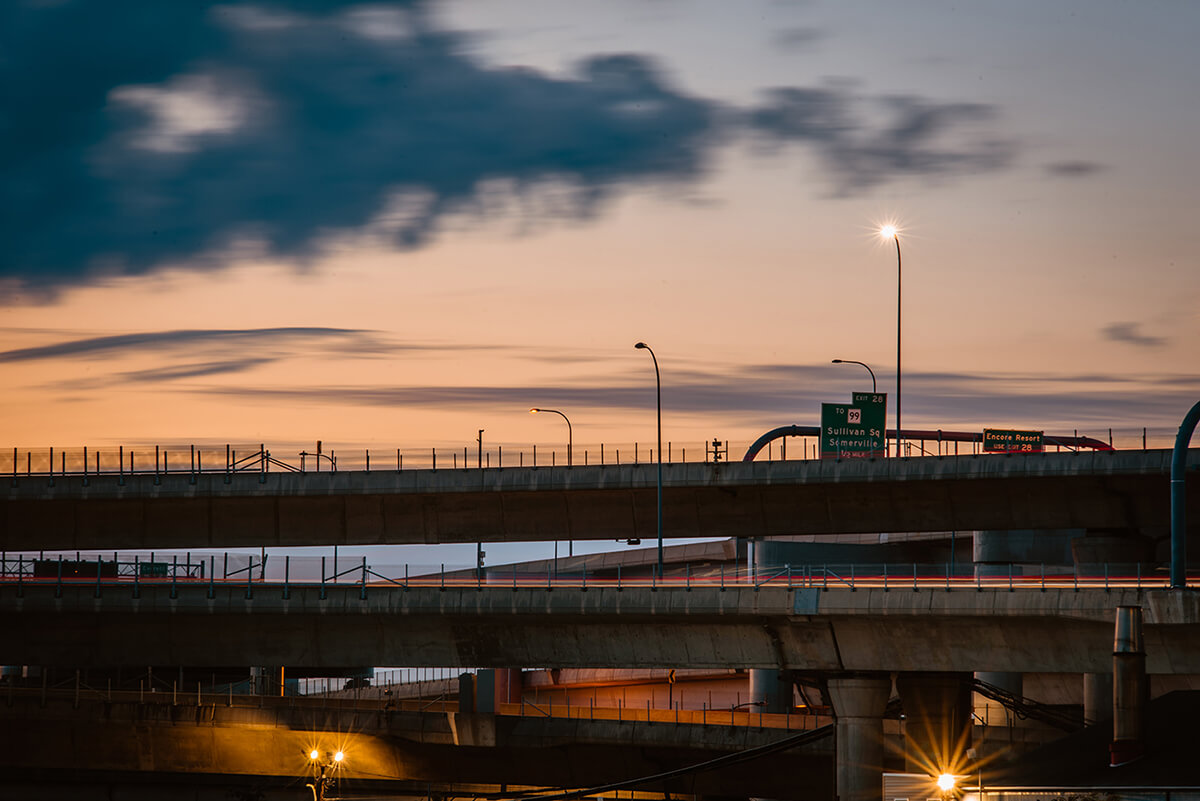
x=1030 y=629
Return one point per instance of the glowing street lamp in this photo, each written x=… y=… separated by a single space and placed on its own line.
x=864 y=364
x=323 y=772
x=570 y=436
x=946 y=783
x=890 y=232
x=658 y=391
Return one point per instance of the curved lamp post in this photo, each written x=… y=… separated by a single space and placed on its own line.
x=890 y=232
x=324 y=773
x=864 y=364
x=658 y=393
x=570 y=436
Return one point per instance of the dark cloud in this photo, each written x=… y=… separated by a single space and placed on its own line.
x=143 y=134
x=1074 y=169
x=139 y=135
x=345 y=338
x=1131 y=334
x=921 y=137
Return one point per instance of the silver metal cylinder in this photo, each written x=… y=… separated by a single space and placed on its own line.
x=1127 y=638
x=1130 y=687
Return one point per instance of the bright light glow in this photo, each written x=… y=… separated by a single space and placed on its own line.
x=339 y=756
x=945 y=782
x=534 y=411
x=314 y=754
x=888 y=231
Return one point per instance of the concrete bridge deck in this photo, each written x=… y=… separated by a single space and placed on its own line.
x=1107 y=490
x=902 y=629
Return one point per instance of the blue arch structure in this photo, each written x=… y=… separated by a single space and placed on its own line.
x=1179 y=500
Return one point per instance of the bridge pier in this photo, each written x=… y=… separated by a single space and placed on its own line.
x=1121 y=551
x=995 y=552
x=937 y=727
x=1097 y=697
x=858 y=705
x=509 y=683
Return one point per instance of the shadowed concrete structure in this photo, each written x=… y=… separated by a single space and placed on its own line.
x=264 y=743
x=1120 y=491
x=1052 y=631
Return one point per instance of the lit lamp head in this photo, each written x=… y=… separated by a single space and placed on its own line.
x=314 y=755
x=945 y=782
x=534 y=411
x=888 y=231
x=339 y=756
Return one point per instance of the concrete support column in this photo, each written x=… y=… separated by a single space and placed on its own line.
x=771 y=690
x=858 y=705
x=1130 y=687
x=508 y=685
x=1022 y=551
x=937 y=712
x=1122 y=553
x=994 y=713
x=1097 y=697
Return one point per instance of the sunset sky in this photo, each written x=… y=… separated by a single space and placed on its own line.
x=392 y=224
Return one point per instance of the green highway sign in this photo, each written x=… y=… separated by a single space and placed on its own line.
x=854 y=430
x=1001 y=440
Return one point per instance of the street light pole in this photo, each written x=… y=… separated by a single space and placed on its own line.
x=658 y=397
x=570 y=435
x=874 y=389
x=890 y=232
x=570 y=442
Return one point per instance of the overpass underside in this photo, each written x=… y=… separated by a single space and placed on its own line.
x=263 y=745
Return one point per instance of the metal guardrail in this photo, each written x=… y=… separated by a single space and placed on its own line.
x=242 y=570
x=197 y=695
x=190 y=459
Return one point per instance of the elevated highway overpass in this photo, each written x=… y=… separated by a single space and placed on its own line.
x=1111 y=491
x=1056 y=630
x=123 y=741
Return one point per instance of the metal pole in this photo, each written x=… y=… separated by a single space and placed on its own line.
x=896 y=237
x=570 y=434
x=658 y=404
x=874 y=386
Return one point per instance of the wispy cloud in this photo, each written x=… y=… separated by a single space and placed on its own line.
x=200 y=370
x=797 y=38
x=773 y=394
x=1074 y=169
x=923 y=137
x=1131 y=334
x=345 y=339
